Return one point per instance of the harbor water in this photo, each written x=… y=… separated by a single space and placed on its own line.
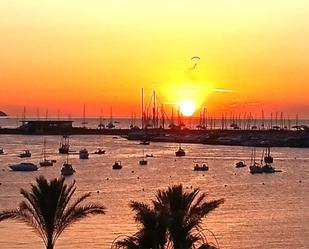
x=260 y=211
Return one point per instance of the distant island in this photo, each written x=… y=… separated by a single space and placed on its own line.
x=2 y=114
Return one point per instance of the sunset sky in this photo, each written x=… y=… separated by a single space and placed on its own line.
x=59 y=55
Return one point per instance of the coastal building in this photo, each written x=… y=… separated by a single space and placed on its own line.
x=44 y=126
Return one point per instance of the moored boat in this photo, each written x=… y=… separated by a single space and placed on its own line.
x=83 y=154
x=24 y=167
x=45 y=162
x=268 y=160
x=143 y=162
x=99 y=151
x=25 y=153
x=255 y=168
x=204 y=167
x=64 y=145
x=180 y=152
x=117 y=165
x=240 y=164
x=67 y=169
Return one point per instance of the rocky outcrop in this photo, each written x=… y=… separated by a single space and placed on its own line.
x=2 y=114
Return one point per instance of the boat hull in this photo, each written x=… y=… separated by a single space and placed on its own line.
x=24 y=167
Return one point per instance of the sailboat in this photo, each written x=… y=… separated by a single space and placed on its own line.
x=268 y=159
x=143 y=161
x=255 y=168
x=180 y=151
x=67 y=168
x=64 y=145
x=45 y=162
x=101 y=124
x=99 y=151
x=110 y=125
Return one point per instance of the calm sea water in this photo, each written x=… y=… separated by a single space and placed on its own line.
x=260 y=211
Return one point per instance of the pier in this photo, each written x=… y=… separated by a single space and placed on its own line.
x=264 y=137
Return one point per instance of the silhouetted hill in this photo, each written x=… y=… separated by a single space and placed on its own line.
x=2 y=114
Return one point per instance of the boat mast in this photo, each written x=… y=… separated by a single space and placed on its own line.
x=142 y=109
x=154 y=110
x=84 y=117
x=24 y=115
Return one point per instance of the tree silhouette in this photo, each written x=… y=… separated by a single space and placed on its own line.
x=172 y=221
x=49 y=209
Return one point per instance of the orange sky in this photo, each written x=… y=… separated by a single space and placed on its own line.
x=58 y=55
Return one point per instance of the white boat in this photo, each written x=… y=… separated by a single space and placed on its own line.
x=117 y=165
x=99 y=151
x=45 y=162
x=64 y=145
x=24 y=167
x=1 y=151
x=180 y=152
x=83 y=154
x=25 y=153
x=204 y=167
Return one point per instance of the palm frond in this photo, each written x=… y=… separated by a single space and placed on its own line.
x=46 y=208
x=79 y=212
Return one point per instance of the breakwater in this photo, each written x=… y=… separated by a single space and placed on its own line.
x=274 y=138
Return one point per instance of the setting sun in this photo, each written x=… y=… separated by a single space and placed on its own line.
x=187 y=108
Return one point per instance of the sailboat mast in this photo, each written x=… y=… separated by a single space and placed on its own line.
x=154 y=110
x=84 y=116
x=142 y=109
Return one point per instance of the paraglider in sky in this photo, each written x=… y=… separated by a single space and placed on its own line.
x=195 y=60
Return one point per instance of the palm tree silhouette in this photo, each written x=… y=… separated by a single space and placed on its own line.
x=172 y=221
x=47 y=208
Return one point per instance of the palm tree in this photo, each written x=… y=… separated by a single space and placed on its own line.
x=173 y=221
x=47 y=208
x=153 y=231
